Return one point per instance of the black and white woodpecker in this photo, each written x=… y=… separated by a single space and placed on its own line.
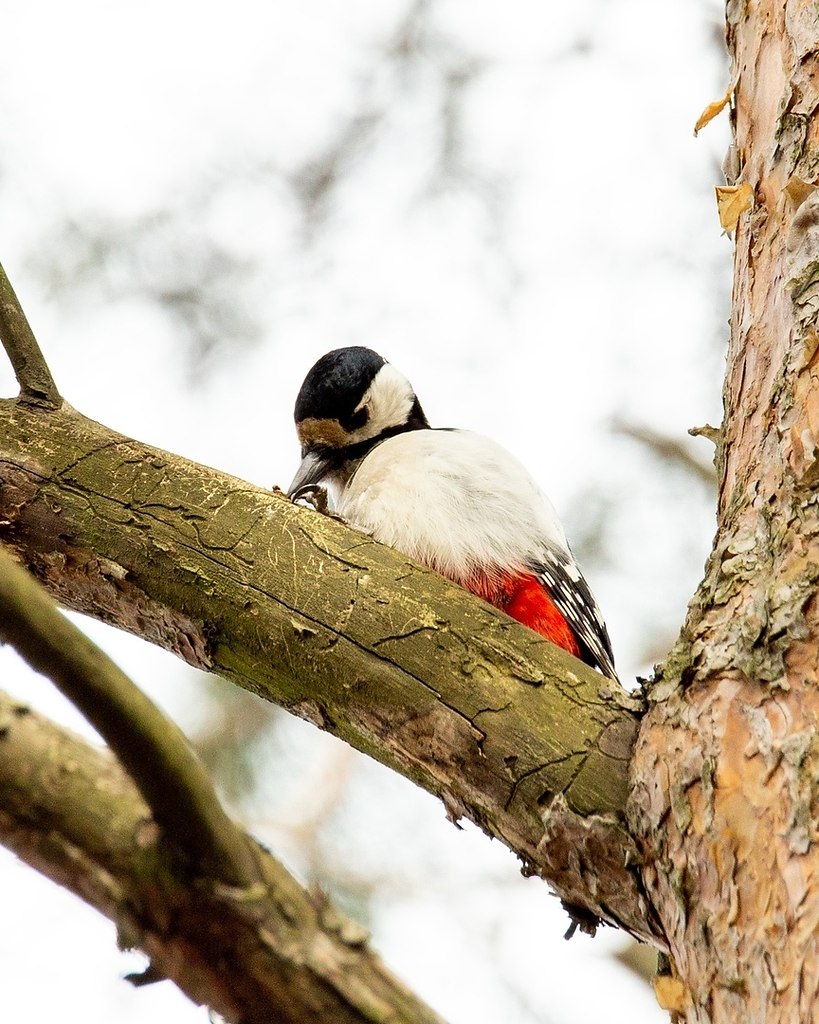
x=452 y=500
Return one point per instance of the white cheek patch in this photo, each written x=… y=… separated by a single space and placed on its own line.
x=390 y=399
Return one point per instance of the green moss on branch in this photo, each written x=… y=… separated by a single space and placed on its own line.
x=340 y=630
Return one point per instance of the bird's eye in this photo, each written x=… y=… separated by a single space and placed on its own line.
x=359 y=418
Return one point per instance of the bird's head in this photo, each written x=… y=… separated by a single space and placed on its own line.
x=351 y=399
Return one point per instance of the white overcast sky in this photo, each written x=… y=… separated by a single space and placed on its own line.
x=572 y=272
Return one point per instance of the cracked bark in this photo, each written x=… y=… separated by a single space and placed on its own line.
x=726 y=772
x=343 y=632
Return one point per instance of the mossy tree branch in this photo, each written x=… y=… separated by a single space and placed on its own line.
x=255 y=956
x=509 y=731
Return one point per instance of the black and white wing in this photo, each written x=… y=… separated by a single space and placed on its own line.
x=575 y=601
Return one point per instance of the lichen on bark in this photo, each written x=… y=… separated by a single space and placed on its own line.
x=724 y=794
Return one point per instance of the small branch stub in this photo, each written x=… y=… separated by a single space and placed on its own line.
x=37 y=386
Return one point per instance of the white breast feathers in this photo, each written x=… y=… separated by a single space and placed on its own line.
x=453 y=500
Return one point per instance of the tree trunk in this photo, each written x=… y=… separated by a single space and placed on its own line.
x=726 y=768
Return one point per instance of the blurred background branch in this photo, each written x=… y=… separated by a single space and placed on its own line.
x=673 y=452
x=151 y=747
x=273 y=953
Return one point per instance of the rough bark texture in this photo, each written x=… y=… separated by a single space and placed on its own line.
x=509 y=731
x=727 y=766
x=258 y=955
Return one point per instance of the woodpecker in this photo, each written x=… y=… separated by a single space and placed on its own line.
x=450 y=499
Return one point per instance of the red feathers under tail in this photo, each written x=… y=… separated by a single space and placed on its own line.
x=526 y=599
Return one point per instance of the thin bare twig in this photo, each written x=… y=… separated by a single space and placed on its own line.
x=156 y=754
x=37 y=386
x=667 y=448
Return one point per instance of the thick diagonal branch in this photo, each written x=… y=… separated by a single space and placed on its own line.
x=37 y=386
x=153 y=750
x=268 y=954
x=509 y=731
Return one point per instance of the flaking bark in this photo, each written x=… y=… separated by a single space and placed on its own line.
x=727 y=766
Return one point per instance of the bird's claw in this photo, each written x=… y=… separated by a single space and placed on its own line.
x=315 y=496
x=312 y=496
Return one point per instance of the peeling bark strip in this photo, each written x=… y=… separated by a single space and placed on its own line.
x=346 y=633
x=255 y=956
x=726 y=773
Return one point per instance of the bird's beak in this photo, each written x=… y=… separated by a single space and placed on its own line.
x=310 y=474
